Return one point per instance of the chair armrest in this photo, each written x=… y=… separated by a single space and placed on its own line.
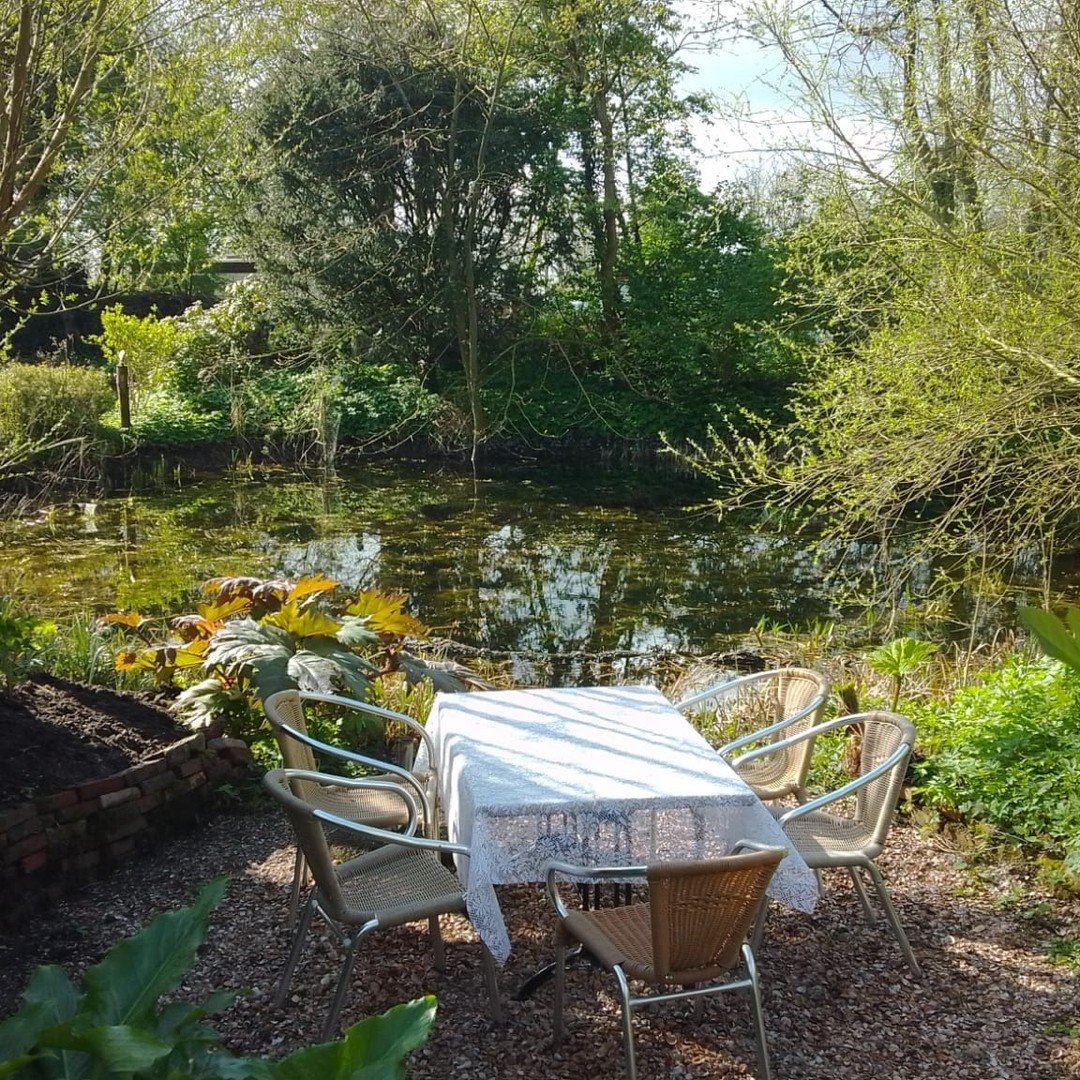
x=416 y=728
x=765 y=732
x=384 y=836
x=809 y=733
x=726 y=685
x=754 y=845
x=360 y=759
x=364 y=784
x=890 y=763
x=593 y=873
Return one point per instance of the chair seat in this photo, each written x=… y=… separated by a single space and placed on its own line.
x=618 y=935
x=379 y=809
x=824 y=839
x=397 y=885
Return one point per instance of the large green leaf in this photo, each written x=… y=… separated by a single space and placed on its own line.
x=115 y=1048
x=125 y=986
x=50 y=998
x=312 y=671
x=244 y=640
x=269 y=674
x=352 y=671
x=356 y=630
x=373 y=1049
x=902 y=656
x=1056 y=640
x=445 y=675
x=302 y=622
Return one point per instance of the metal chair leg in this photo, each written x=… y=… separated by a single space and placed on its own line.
x=758 y=1017
x=299 y=875
x=628 y=1025
x=758 y=932
x=864 y=898
x=330 y=1028
x=294 y=952
x=491 y=977
x=438 y=951
x=560 y=995
x=894 y=920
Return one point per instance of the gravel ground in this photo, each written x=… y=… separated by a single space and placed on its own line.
x=839 y=1000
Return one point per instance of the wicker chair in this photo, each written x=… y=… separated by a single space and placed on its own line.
x=828 y=840
x=692 y=931
x=795 y=698
x=401 y=881
x=378 y=807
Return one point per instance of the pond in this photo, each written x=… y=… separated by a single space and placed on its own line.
x=530 y=561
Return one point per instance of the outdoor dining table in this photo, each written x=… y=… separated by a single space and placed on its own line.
x=598 y=776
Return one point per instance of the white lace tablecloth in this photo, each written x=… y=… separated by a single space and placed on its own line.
x=597 y=776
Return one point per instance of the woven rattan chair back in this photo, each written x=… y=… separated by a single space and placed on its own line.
x=702 y=912
x=784 y=693
x=286 y=708
x=875 y=804
x=311 y=840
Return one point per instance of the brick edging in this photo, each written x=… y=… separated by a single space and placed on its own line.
x=55 y=842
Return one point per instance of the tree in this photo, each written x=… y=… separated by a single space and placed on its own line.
x=940 y=270
x=613 y=66
x=404 y=194
x=700 y=276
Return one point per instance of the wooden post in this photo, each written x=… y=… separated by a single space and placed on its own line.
x=123 y=393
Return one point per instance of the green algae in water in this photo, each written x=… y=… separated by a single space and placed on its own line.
x=519 y=561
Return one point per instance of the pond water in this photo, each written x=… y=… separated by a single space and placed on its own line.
x=530 y=561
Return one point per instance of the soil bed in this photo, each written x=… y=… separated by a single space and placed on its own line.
x=60 y=733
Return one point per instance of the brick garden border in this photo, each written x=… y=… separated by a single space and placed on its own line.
x=55 y=842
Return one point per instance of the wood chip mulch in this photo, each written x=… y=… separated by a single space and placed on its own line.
x=839 y=1000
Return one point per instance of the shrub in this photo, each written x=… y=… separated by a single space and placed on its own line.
x=164 y=419
x=255 y=637
x=148 y=346
x=51 y=402
x=1005 y=752
x=115 y=1025
x=21 y=637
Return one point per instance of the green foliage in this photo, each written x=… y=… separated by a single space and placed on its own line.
x=51 y=402
x=699 y=274
x=165 y=420
x=1004 y=751
x=21 y=639
x=1059 y=640
x=256 y=637
x=147 y=345
x=389 y=135
x=1065 y=951
x=114 y=1024
x=82 y=650
x=900 y=658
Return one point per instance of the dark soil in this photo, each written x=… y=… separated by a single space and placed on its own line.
x=59 y=733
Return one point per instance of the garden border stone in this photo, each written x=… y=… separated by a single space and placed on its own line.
x=53 y=843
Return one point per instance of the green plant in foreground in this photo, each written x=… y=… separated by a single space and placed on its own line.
x=1060 y=640
x=114 y=1024
x=899 y=659
x=1004 y=752
x=21 y=638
